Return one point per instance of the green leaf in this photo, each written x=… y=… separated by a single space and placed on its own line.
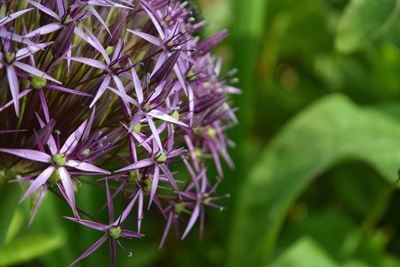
x=27 y=248
x=332 y=130
x=15 y=226
x=304 y=253
x=364 y=21
x=9 y=196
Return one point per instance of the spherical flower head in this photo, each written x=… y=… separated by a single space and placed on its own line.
x=118 y=92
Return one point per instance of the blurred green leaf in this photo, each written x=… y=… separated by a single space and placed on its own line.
x=355 y=263
x=304 y=253
x=363 y=21
x=332 y=130
x=15 y=226
x=9 y=195
x=330 y=229
x=27 y=248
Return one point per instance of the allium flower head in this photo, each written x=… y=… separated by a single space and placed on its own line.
x=85 y=85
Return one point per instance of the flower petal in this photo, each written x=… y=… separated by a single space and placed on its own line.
x=192 y=221
x=46 y=29
x=38 y=182
x=90 y=62
x=29 y=69
x=28 y=154
x=14 y=87
x=68 y=187
x=137 y=165
x=90 y=250
x=73 y=139
x=83 y=166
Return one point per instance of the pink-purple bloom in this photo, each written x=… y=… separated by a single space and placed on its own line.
x=123 y=92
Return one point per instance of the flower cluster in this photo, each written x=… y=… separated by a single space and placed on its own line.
x=121 y=91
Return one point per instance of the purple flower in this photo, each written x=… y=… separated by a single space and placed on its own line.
x=113 y=231
x=57 y=163
x=114 y=91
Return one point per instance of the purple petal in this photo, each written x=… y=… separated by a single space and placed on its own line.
x=98 y=17
x=154 y=184
x=90 y=250
x=153 y=129
x=130 y=234
x=34 y=71
x=113 y=250
x=38 y=203
x=217 y=161
x=137 y=165
x=140 y=210
x=46 y=29
x=28 y=154
x=149 y=38
x=39 y=181
x=67 y=90
x=124 y=96
x=44 y=9
x=14 y=88
x=166 y=230
x=73 y=139
x=30 y=50
x=109 y=204
x=120 y=85
x=137 y=84
x=165 y=117
x=83 y=166
x=61 y=7
x=192 y=221
x=14 y=37
x=68 y=187
x=101 y=90
x=92 y=40
x=126 y=211
x=90 y=62
x=93 y=225
x=11 y=17
x=153 y=19
x=117 y=51
x=21 y=95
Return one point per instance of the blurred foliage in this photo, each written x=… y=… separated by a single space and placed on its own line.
x=317 y=149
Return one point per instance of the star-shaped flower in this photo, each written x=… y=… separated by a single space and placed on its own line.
x=58 y=161
x=112 y=231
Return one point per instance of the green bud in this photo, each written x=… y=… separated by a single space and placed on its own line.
x=207 y=199
x=191 y=75
x=133 y=178
x=115 y=232
x=211 y=132
x=86 y=152
x=59 y=159
x=137 y=128
x=161 y=157
x=175 y=115
x=180 y=207
x=110 y=50
x=198 y=153
x=147 y=185
x=10 y=57
x=147 y=106
x=38 y=82
x=197 y=130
